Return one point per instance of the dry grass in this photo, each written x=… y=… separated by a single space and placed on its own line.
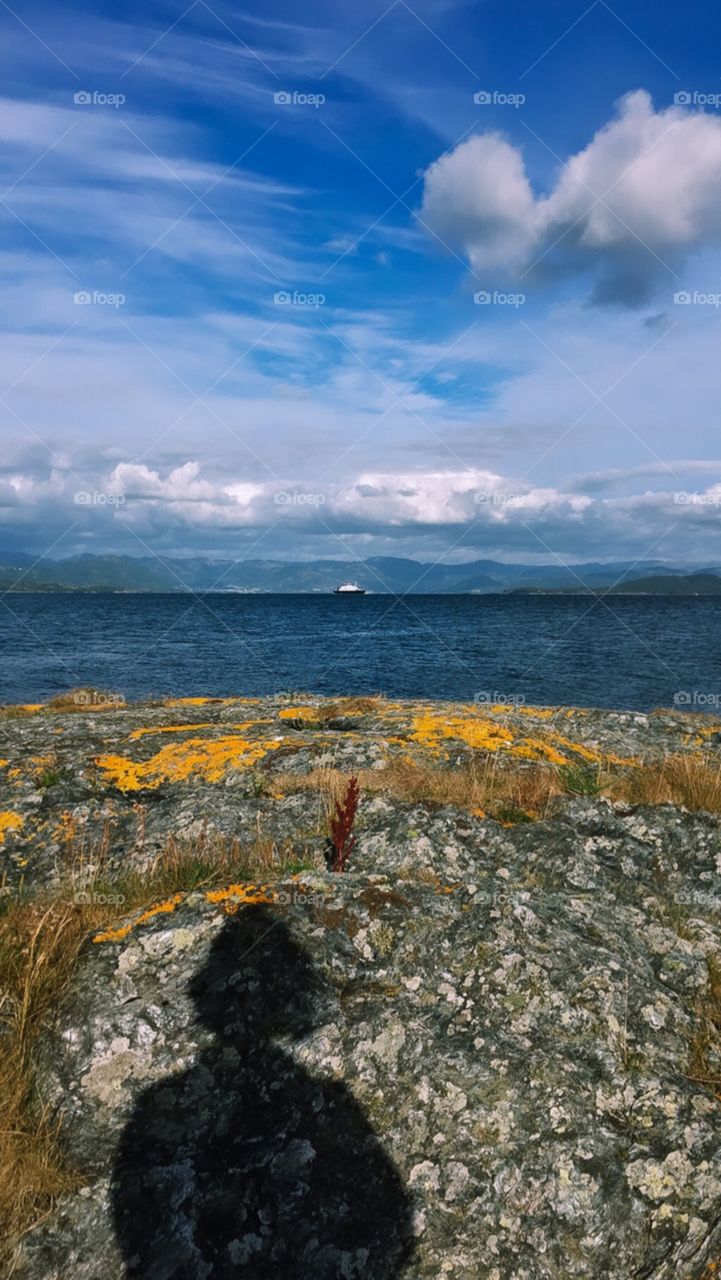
x=38 y=950
x=693 y=781
x=40 y=940
x=510 y=794
x=86 y=699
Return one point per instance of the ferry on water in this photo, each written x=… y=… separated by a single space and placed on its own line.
x=349 y=589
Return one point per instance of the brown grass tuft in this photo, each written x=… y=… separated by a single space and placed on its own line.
x=692 y=781
x=513 y=792
x=508 y=793
x=86 y=699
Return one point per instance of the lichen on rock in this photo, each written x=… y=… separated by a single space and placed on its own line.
x=469 y=1056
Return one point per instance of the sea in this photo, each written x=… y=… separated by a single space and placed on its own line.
x=630 y=652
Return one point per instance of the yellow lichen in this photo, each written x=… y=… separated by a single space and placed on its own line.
x=432 y=730
x=40 y=764
x=478 y=730
x=67 y=827
x=537 y=749
x=170 y=728
x=201 y=702
x=209 y=759
x=298 y=713
x=3 y=763
x=160 y=908
x=235 y=896
x=587 y=753
x=188 y=702
x=626 y=761
x=9 y=821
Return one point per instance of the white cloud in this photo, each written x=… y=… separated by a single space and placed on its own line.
x=477 y=511
x=629 y=207
x=479 y=196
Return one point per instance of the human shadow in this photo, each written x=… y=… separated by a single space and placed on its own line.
x=246 y=1165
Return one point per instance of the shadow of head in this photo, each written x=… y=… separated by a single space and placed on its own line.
x=258 y=978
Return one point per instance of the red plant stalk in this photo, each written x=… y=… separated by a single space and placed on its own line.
x=341 y=826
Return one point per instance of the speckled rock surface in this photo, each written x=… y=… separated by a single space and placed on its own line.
x=467 y=1057
x=122 y=779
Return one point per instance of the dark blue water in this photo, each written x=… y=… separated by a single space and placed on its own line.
x=633 y=652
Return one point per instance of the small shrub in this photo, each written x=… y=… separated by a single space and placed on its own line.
x=341 y=827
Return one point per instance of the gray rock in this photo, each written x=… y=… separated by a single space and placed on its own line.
x=399 y=1073
x=468 y=1057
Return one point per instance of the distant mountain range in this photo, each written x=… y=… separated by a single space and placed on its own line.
x=387 y=574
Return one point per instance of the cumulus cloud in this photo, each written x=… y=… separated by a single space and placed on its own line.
x=628 y=208
x=472 y=510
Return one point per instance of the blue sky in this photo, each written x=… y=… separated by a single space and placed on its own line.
x=276 y=285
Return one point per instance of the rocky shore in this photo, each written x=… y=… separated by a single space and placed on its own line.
x=487 y=1051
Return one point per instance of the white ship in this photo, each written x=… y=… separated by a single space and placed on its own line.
x=349 y=589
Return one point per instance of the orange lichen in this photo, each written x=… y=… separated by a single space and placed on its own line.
x=481 y=733
x=537 y=749
x=67 y=827
x=40 y=764
x=298 y=713
x=170 y=728
x=587 y=753
x=209 y=759
x=235 y=896
x=3 y=763
x=626 y=761
x=189 y=702
x=201 y=702
x=432 y=730
x=160 y=908
x=9 y=821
